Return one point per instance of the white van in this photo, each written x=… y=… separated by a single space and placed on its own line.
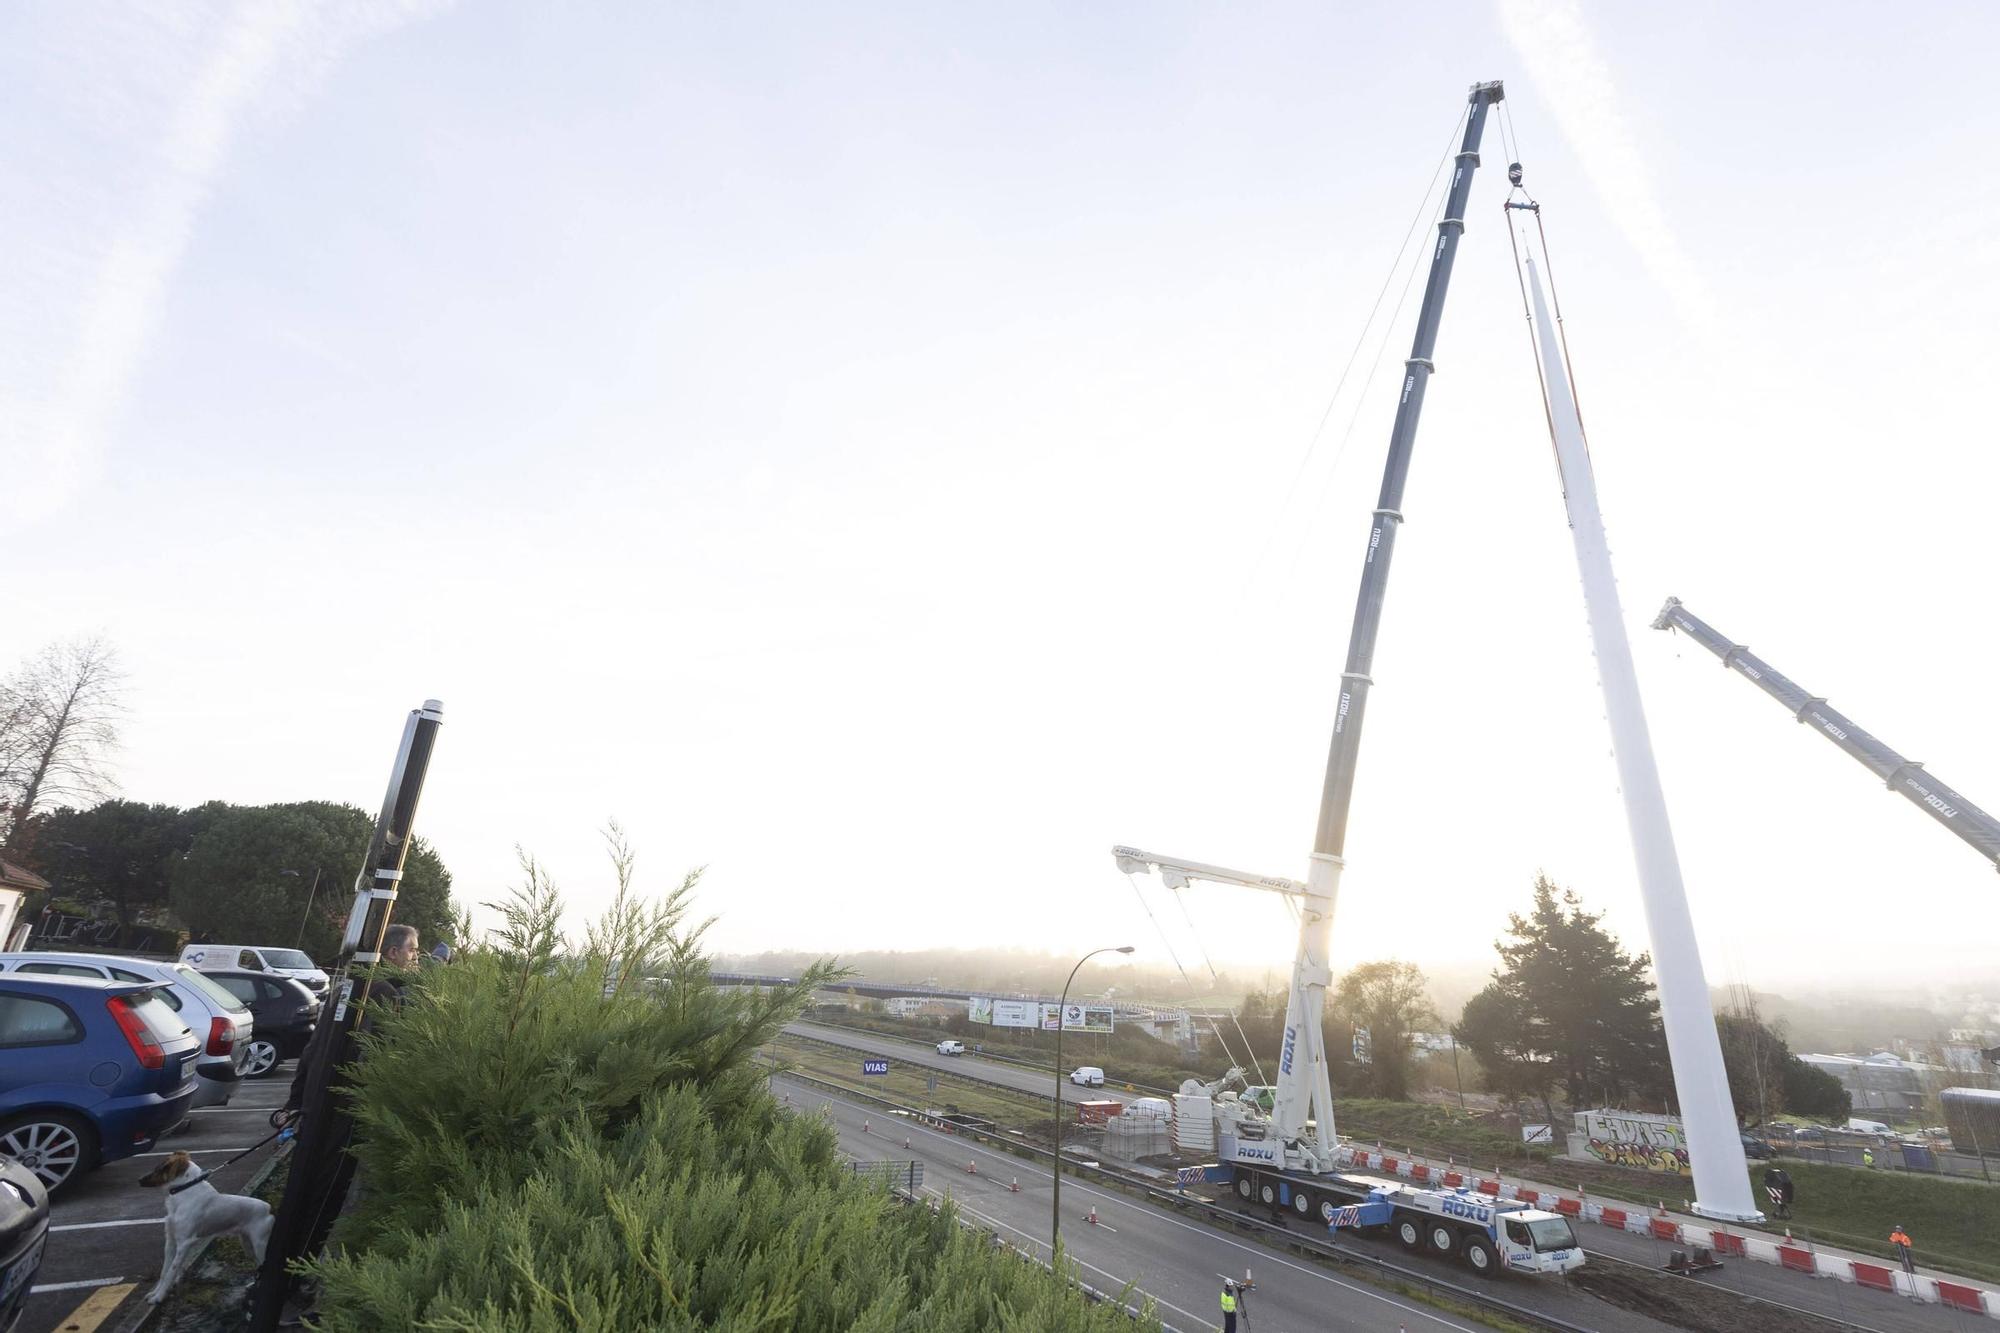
x=1088 y=1076
x=256 y=958
x=1860 y=1126
x=949 y=1047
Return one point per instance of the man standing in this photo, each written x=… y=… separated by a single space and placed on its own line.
x=1900 y=1241
x=1228 y=1305
x=1868 y=1158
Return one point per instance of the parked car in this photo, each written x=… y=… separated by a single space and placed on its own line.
x=210 y=1012
x=90 y=1071
x=24 y=1233
x=1756 y=1149
x=1088 y=1076
x=282 y=1010
x=949 y=1047
x=257 y=958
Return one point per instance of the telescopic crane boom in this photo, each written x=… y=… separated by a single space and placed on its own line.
x=1904 y=776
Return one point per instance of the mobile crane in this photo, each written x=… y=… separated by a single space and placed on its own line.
x=1906 y=777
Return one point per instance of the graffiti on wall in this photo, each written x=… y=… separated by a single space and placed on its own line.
x=1624 y=1138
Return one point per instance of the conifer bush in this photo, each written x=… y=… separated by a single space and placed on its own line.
x=556 y=1137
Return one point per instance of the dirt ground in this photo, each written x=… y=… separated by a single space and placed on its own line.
x=1685 y=1302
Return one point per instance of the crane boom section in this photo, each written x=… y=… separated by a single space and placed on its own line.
x=1903 y=776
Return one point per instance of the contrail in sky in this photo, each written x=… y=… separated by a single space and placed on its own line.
x=1572 y=77
x=117 y=192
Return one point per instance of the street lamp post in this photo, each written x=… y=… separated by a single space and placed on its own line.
x=1055 y=1223
x=307 y=915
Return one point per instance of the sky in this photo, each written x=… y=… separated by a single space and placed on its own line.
x=889 y=454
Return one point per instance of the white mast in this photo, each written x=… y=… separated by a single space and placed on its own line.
x=1715 y=1148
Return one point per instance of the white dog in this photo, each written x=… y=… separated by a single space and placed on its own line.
x=197 y=1210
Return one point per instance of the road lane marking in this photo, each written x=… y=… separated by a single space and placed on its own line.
x=1102 y=1272
x=74 y=1286
x=98 y=1307
x=122 y=1222
x=246 y=1147
x=1264 y=1254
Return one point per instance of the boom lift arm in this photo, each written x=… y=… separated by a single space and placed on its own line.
x=1903 y=776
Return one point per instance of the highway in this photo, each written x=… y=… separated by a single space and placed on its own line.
x=1835 y=1300
x=1176 y=1262
x=1035 y=1082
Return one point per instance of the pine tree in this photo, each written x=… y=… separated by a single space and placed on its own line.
x=1569 y=1007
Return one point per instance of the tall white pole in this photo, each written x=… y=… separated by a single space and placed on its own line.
x=1715 y=1149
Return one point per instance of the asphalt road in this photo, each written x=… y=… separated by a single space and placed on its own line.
x=105 y=1236
x=1176 y=1262
x=1837 y=1300
x=1033 y=1081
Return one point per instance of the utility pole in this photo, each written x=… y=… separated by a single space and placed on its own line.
x=319 y=1176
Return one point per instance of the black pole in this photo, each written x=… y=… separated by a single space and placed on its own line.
x=1055 y=1196
x=317 y=1174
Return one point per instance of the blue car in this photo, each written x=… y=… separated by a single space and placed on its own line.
x=90 y=1071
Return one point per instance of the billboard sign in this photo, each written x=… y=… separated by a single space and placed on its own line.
x=874 y=1066
x=979 y=1009
x=1077 y=1017
x=1016 y=1013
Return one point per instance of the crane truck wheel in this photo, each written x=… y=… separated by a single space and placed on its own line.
x=1243 y=1188
x=1267 y=1193
x=1410 y=1232
x=1443 y=1239
x=1480 y=1256
x=1302 y=1203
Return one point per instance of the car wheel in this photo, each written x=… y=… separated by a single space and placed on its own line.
x=1443 y=1239
x=1409 y=1233
x=1480 y=1258
x=260 y=1057
x=58 y=1147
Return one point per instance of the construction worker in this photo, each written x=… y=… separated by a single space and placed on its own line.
x=1229 y=1305
x=1868 y=1158
x=1900 y=1239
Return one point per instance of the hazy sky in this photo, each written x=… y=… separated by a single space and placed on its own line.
x=859 y=447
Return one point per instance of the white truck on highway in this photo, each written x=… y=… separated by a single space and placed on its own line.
x=949 y=1047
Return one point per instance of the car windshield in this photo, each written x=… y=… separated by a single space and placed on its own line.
x=1552 y=1233
x=290 y=959
x=207 y=989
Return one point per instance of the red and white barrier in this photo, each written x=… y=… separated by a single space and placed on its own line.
x=1785 y=1252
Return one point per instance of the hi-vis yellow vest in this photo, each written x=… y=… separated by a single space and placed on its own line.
x=1228 y=1303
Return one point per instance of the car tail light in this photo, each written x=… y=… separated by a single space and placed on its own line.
x=221 y=1036
x=144 y=1044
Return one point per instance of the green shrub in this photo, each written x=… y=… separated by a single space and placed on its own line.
x=550 y=1141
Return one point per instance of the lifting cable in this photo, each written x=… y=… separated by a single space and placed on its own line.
x=1248 y=1049
x=1388 y=279
x=1221 y=1040
x=1527 y=203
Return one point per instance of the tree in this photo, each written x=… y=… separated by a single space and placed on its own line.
x=119 y=851
x=1755 y=1058
x=1815 y=1093
x=250 y=876
x=548 y=1147
x=1391 y=999
x=1569 y=997
x=58 y=724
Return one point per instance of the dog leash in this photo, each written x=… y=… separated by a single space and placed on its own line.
x=276 y=1133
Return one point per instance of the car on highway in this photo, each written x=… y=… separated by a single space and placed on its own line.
x=257 y=958
x=24 y=1234
x=210 y=1012
x=282 y=1012
x=1088 y=1076
x=949 y=1047
x=90 y=1071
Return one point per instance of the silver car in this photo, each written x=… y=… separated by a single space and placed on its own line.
x=208 y=1010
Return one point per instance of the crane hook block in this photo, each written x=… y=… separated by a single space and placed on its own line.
x=1513 y=173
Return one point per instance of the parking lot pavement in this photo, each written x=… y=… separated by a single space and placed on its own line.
x=105 y=1237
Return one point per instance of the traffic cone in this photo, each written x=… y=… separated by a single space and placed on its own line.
x=1092 y=1219
x=972 y=1167
x=1014 y=1185
x=906 y=1140
x=864 y=1127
